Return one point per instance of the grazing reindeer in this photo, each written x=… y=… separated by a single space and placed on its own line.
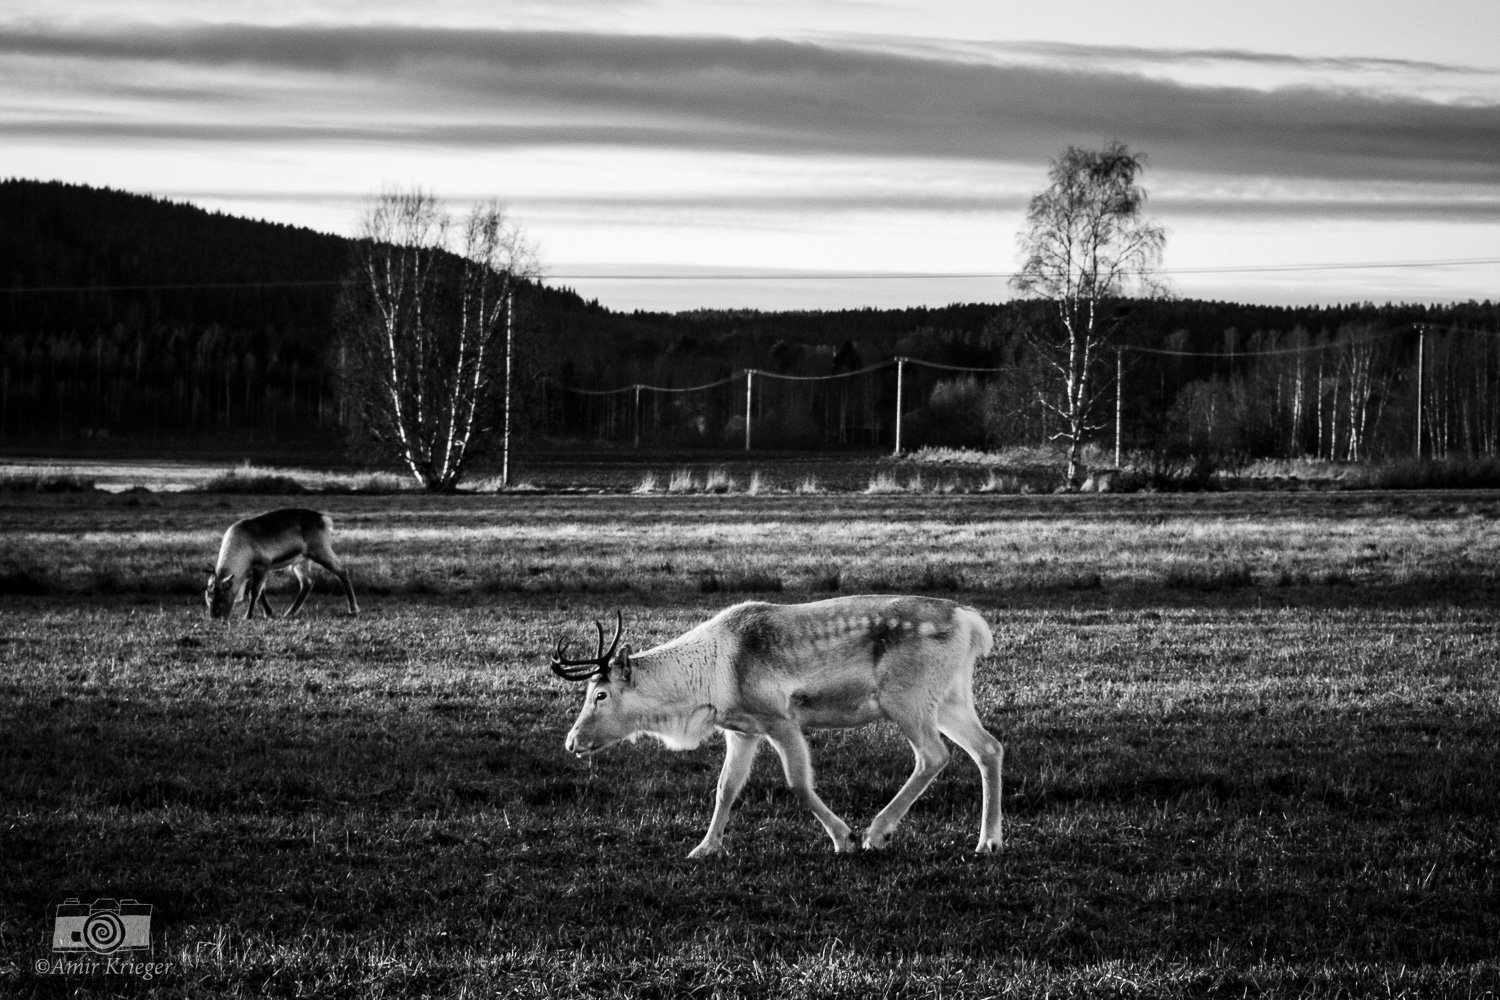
x=279 y=539
x=768 y=671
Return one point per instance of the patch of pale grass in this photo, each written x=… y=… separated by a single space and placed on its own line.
x=1305 y=469
x=252 y=479
x=1016 y=456
x=682 y=481
x=494 y=484
x=718 y=481
x=648 y=484
x=809 y=486
x=886 y=482
x=377 y=482
x=999 y=482
x=757 y=484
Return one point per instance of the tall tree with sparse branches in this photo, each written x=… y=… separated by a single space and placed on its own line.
x=1086 y=248
x=428 y=318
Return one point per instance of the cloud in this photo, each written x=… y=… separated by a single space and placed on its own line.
x=497 y=89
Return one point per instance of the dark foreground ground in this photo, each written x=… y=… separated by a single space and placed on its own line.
x=1250 y=751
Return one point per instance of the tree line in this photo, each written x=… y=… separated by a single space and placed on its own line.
x=127 y=317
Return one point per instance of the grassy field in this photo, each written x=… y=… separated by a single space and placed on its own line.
x=1251 y=750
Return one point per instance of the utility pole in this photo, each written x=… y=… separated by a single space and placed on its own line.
x=900 y=385
x=1421 y=361
x=749 y=391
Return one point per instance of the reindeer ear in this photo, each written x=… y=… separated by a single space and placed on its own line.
x=623 y=663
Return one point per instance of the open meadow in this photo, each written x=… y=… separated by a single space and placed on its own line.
x=1251 y=749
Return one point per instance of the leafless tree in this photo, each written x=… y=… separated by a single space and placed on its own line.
x=429 y=321
x=1086 y=247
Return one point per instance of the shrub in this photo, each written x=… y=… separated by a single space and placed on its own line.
x=939 y=578
x=45 y=482
x=25 y=582
x=251 y=483
x=829 y=583
x=712 y=583
x=371 y=483
x=1433 y=474
x=1173 y=471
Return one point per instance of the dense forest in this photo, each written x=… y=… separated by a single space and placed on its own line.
x=134 y=320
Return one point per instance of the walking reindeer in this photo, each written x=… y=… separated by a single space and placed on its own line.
x=285 y=539
x=767 y=672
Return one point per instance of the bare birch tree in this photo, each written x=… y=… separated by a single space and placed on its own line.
x=429 y=319
x=1086 y=247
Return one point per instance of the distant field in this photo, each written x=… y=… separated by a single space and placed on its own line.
x=1250 y=750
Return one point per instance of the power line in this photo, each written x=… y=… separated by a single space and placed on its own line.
x=1222 y=354
x=646 y=388
x=798 y=276
x=204 y=287
x=949 y=368
x=1350 y=266
x=1368 y=336
x=878 y=276
x=821 y=378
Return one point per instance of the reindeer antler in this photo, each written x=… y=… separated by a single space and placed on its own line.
x=597 y=664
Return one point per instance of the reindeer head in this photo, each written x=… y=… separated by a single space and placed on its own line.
x=220 y=594
x=608 y=716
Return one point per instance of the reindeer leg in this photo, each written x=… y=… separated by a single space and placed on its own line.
x=796 y=761
x=324 y=557
x=960 y=723
x=739 y=758
x=258 y=576
x=304 y=587
x=932 y=756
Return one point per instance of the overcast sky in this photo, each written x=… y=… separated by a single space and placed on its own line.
x=704 y=143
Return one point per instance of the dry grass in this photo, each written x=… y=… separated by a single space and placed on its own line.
x=717 y=481
x=1250 y=751
x=1135 y=548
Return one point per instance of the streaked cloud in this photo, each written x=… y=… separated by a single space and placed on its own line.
x=462 y=89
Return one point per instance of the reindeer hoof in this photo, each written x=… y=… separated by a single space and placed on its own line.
x=877 y=838
x=704 y=850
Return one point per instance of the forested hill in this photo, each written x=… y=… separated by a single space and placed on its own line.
x=128 y=316
x=106 y=255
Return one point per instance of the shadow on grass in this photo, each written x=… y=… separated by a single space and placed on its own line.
x=431 y=820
